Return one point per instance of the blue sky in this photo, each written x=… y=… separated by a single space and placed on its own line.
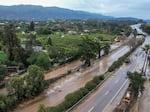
x=117 y=8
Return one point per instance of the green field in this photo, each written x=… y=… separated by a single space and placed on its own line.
x=67 y=45
x=67 y=39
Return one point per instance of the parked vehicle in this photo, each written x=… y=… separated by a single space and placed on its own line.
x=127 y=60
x=127 y=98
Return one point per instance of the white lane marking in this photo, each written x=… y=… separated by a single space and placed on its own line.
x=107 y=92
x=104 y=110
x=116 y=81
x=91 y=109
x=119 y=90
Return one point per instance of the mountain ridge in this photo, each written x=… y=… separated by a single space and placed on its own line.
x=37 y=12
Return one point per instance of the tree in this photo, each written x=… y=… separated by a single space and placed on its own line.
x=31 y=26
x=27 y=86
x=16 y=87
x=43 y=61
x=6 y=103
x=137 y=82
x=3 y=72
x=49 y=41
x=132 y=42
x=15 y=52
x=99 y=45
x=52 y=51
x=146 y=48
x=40 y=59
x=44 y=30
x=87 y=50
x=31 y=41
x=10 y=40
x=135 y=33
x=34 y=81
x=146 y=28
x=106 y=48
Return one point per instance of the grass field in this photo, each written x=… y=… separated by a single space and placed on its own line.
x=67 y=44
x=67 y=39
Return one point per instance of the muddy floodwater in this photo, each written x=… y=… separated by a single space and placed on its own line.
x=57 y=91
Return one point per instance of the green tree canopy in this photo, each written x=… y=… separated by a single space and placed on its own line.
x=3 y=72
x=10 y=40
x=35 y=80
x=40 y=59
x=137 y=82
x=31 y=26
x=6 y=103
x=88 y=50
x=16 y=87
x=29 y=85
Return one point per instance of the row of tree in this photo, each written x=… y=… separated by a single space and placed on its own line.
x=146 y=49
x=109 y=27
x=89 y=48
x=146 y=28
x=137 y=82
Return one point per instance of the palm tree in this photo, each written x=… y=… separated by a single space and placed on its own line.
x=146 y=48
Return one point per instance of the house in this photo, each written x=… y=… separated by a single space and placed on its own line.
x=72 y=32
x=37 y=48
x=13 y=69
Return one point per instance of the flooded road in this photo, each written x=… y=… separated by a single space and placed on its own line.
x=58 y=90
x=73 y=65
x=137 y=27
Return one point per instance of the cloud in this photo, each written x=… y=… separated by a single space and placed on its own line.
x=138 y=8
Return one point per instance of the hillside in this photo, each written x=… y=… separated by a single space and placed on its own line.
x=32 y=12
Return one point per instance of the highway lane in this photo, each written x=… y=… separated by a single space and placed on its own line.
x=102 y=97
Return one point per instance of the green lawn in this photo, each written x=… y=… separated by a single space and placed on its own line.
x=3 y=57
x=73 y=39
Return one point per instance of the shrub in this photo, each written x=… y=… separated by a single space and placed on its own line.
x=6 y=103
x=90 y=85
x=101 y=77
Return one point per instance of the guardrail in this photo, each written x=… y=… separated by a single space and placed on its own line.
x=82 y=99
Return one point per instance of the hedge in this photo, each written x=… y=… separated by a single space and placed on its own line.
x=74 y=97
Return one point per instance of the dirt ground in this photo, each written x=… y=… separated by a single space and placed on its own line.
x=145 y=99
